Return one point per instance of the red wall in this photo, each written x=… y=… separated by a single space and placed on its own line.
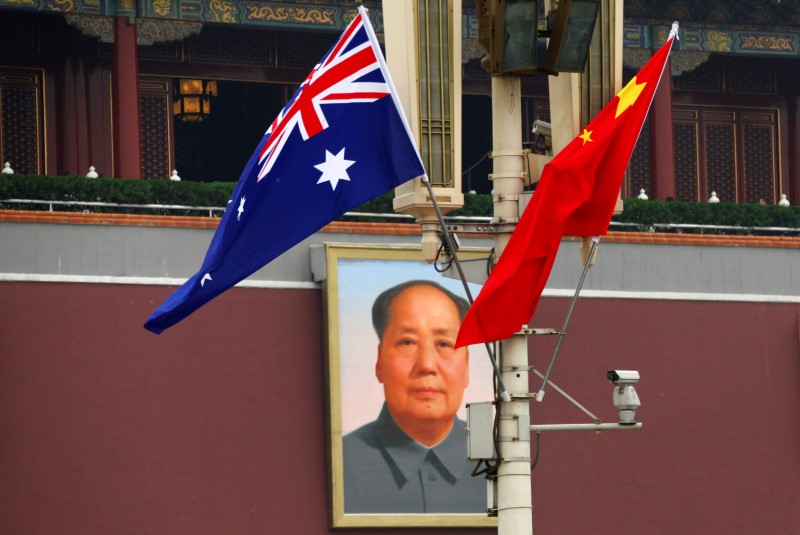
x=215 y=426
x=218 y=425
x=720 y=390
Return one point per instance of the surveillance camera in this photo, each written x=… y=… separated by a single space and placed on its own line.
x=542 y=128
x=625 y=398
x=623 y=377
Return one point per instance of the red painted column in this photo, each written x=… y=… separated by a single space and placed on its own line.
x=662 y=155
x=125 y=101
x=791 y=178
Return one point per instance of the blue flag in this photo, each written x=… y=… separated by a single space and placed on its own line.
x=341 y=140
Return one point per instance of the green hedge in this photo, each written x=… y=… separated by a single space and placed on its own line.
x=649 y=215
x=650 y=212
x=643 y=215
x=109 y=190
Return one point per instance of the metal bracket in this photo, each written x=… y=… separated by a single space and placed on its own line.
x=505 y=197
x=512 y=152
x=523 y=422
x=472 y=228
x=517 y=368
x=522 y=175
x=493 y=227
x=526 y=330
x=505 y=225
x=511 y=222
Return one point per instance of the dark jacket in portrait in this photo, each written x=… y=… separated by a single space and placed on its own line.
x=386 y=471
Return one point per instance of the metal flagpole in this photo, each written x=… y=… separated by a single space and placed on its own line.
x=586 y=266
x=448 y=240
x=513 y=479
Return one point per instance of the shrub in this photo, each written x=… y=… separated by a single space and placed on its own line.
x=643 y=215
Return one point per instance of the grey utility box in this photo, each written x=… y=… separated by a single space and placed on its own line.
x=480 y=434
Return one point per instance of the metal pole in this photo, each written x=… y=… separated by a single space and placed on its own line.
x=586 y=427
x=450 y=247
x=514 y=509
x=586 y=266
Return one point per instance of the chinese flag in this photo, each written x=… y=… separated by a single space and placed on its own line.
x=576 y=195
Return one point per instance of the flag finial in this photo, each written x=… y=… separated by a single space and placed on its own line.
x=674 y=31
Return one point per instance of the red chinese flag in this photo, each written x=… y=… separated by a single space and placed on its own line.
x=576 y=195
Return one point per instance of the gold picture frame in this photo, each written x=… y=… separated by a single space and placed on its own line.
x=355 y=276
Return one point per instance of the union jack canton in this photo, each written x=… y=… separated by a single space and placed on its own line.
x=340 y=141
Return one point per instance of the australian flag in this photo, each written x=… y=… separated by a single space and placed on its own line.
x=341 y=140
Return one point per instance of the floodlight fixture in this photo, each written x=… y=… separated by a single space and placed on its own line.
x=571 y=36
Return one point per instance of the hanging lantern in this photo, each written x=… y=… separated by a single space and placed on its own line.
x=193 y=99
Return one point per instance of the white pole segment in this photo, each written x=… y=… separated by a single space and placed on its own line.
x=514 y=494
x=514 y=510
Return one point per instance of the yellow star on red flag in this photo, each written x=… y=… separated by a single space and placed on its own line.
x=576 y=195
x=628 y=96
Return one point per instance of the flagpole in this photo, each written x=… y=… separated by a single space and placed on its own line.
x=586 y=266
x=513 y=475
x=450 y=247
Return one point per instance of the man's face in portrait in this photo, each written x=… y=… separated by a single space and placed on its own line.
x=423 y=376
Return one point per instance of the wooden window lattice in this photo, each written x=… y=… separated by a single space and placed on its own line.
x=155 y=120
x=639 y=174
x=154 y=136
x=751 y=75
x=217 y=44
x=733 y=152
x=720 y=160
x=710 y=76
x=19 y=121
x=685 y=140
x=759 y=163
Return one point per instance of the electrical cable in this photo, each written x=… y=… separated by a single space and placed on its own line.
x=538 y=446
x=438 y=266
x=476 y=472
x=476 y=164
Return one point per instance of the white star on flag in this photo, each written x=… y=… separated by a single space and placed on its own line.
x=334 y=168
x=346 y=105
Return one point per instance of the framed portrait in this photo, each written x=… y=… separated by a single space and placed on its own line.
x=388 y=465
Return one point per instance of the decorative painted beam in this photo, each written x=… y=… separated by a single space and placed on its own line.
x=334 y=15
x=148 y=31
x=714 y=39
x=316 y=14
